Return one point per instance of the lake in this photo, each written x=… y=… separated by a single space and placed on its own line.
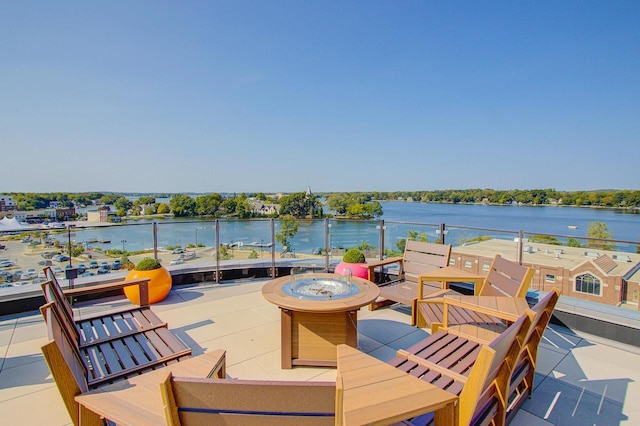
x=400 y=217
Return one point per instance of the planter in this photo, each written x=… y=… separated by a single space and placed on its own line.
x=359 y=270
x=159 y=286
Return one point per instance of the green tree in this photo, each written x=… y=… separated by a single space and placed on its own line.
x=288 y=229
x=182 y=205
x=546 y=239
x=208 y=205
x=572 y=242
x=163 y=208
x=297 y=204
x=599 y=230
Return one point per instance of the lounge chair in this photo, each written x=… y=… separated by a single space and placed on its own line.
x=505 y=278
x=419 y=257
x=522 y=378
x=478 y=373
x=103 y=327
x=78 y=369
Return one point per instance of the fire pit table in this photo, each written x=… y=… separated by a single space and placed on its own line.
x=317 y=313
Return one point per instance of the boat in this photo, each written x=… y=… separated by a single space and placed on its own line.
x=573 y=227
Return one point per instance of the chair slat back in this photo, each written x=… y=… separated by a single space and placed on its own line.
x=59 y=295
x=421 y=257
x=491 y=371
x=506 y=278
x=66 y=346
x=56 y=297
x=195 y=401
x=544 y=310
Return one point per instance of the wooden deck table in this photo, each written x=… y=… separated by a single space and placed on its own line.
x=138 y=401
x=369 y=391
x=449 y=274
x=311 y=329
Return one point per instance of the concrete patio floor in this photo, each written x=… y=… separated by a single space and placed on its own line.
x=579 y=380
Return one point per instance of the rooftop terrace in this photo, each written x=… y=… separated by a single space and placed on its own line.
x=579 y=379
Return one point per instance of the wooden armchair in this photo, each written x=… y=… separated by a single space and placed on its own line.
x=77 y=369
x=193 y=401
x=103 y=327
x=521 y=384
x=478 y=373
x=419 y=257
x=505 y=278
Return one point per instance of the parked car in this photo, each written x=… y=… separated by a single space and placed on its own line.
x=116 y=265
x=6 y=285
x=177 y=251
x=87 y=274
x=176 y=261
x=81 y=268
x=29 y=275
x=6 y=264
x=45 y=262
x=49 y=254
x=105 y=265
x=93 y=264
x=57 y=270
x=103 y=270
x=38 y=280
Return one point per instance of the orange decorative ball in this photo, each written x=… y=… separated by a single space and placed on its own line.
x=159 y=286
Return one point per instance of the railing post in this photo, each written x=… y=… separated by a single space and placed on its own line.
x=442 y=233
x=381 y=251
x=273 y=248
x=217 y=229
x=155 y=240
x=519 y=247
x=326 y=244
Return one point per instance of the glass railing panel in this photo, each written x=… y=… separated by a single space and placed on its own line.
x=396 y=234
x=243 y=239
x=346 y=234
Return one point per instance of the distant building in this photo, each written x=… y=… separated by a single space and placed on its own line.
x=7 y=203
x=101 y=215
x=259 y=207
x=602 y=276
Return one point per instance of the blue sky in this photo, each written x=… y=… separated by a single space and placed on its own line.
x=244 y=96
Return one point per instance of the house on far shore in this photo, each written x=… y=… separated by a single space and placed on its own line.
x=259 y=207
x=603 y=276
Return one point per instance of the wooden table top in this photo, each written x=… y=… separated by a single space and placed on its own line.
x=503 y=307
x=138 y=401
x=272 y=291
x=374 y=392
x=450 y=273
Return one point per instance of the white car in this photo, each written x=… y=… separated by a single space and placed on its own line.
x=176 y=261
x=29 y=274
x=57 y=270
x=6 y=264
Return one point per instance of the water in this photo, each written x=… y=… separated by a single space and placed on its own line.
x=400 y=218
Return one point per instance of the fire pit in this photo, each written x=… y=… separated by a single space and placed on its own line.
x=320 y=288
x=318 y=312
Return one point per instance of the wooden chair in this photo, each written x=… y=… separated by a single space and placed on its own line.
x=521 y=385
x=78 y=369
x=505 y=278
x=419 y=257
x=193 y=401
x=103 y=327
x=478 y=373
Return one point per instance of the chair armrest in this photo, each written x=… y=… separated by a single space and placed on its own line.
x=101 y=288
x=464 y=304
x=373 y=265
